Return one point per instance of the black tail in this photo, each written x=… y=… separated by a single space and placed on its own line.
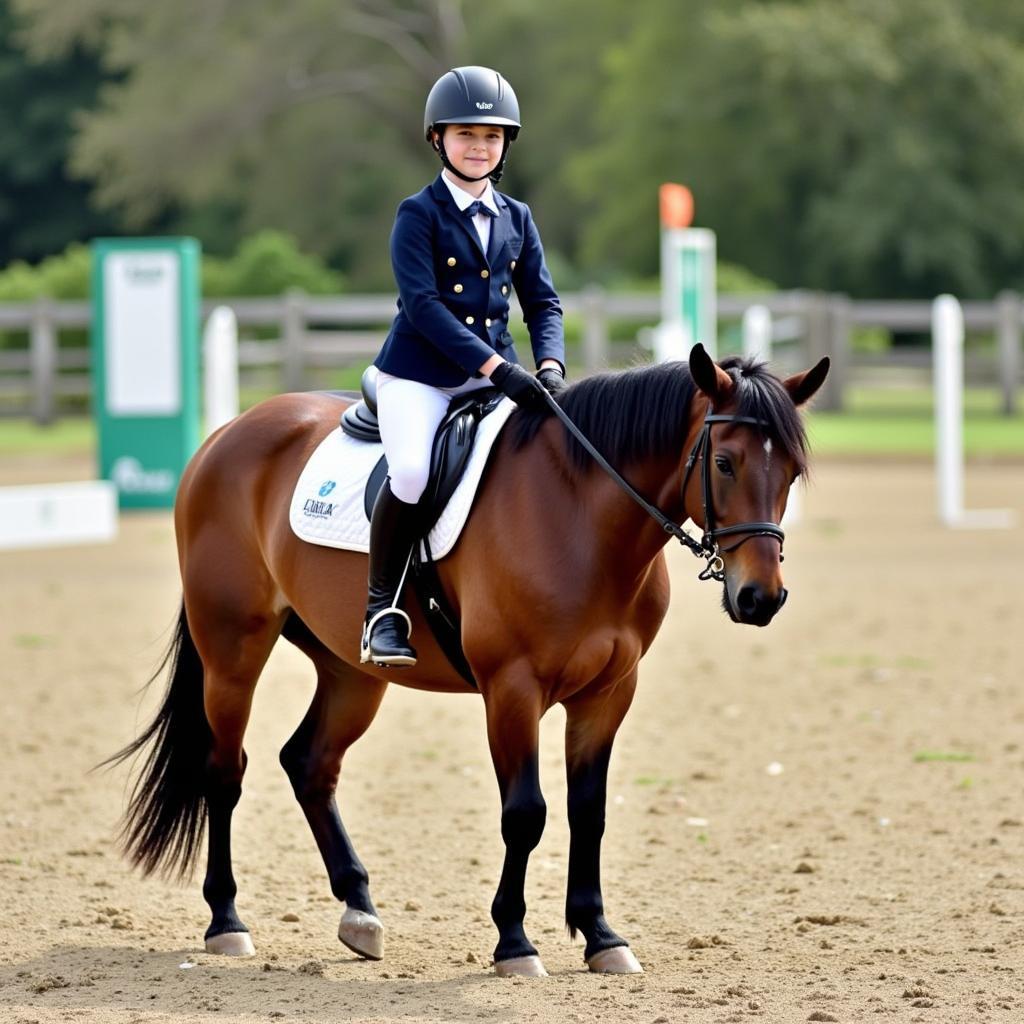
x=166 y=816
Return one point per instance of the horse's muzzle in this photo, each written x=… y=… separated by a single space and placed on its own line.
x=755 y=606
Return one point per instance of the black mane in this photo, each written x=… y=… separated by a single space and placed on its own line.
x=630 y=414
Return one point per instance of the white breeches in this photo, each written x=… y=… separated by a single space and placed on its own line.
x=409 y=415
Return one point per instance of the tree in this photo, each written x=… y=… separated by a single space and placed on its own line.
x=41 y=207
x=857 y=145
x=864 y=146
x=304 y=117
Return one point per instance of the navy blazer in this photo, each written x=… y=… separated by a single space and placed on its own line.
x=453 y=297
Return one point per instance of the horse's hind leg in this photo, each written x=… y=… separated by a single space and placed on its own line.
x=234 y=647
x=342 y=709
x=591 y=724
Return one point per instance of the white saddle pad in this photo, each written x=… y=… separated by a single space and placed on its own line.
x=327 y=505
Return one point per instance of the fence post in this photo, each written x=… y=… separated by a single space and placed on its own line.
x=293 y=337
x=840 y=318
x=819 y=343
x=1008 y=333
x=43 y=360
x=595 y=329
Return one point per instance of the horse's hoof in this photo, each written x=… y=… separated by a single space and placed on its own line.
x=617 y=960
x=520 y=967
x=362 y=933
x=231 y=944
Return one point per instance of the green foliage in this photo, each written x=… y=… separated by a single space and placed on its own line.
x=65 y=276
x=852 y=145
x=870 y=339
x=869 y=147
x=268 y=263
x=302 y=118
x=41 y=207
x=732 y=279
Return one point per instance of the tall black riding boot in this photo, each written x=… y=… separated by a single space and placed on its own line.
x=393 y=532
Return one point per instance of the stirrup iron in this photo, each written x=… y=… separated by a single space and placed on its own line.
x=364 y=645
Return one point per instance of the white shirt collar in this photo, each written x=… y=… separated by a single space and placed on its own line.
x=463 y=198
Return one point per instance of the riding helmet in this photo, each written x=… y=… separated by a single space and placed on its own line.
x=471 y=95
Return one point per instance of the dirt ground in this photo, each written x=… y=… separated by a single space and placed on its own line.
x=820 y=821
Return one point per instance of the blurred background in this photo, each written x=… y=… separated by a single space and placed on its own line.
x=854 y=157
x=838 y=799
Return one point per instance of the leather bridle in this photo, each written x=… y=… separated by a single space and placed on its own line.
x=707 y=547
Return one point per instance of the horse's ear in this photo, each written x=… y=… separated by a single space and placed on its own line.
x=708 y=375
x=801 y=386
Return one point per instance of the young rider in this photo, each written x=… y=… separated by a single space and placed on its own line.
x=458 y=248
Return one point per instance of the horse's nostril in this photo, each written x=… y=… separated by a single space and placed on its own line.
x=747 y=600
x=754 y=604
x=782 y=597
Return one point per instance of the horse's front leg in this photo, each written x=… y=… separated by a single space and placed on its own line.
x=513 y=719
x=591 y=723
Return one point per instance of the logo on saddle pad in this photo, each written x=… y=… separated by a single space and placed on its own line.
x=326 y=487
x=318 y=509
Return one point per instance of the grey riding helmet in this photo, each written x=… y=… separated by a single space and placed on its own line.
x=471 y=95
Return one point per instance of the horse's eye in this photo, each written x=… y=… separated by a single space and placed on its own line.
x=723 y=465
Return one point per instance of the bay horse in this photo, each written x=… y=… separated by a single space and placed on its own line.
x=560 y=582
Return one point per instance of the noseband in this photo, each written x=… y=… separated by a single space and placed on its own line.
x=707 y=547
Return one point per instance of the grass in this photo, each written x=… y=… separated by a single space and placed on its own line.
x=32 y=641
x=72 y=436
x=876 y=422
x=925 y=756
x=891 y=422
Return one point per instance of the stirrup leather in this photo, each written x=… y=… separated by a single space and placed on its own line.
x=364 y=646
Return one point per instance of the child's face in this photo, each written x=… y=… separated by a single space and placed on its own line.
x=474 y=149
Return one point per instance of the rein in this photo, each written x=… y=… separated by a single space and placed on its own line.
x=707 y=547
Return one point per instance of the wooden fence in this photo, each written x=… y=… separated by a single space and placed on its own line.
x=310 y=334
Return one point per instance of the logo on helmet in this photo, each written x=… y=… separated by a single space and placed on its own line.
x=484 y=106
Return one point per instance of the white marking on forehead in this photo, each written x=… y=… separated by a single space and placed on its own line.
x=767 y=453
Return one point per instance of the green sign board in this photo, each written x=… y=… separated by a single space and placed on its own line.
x=145 y=364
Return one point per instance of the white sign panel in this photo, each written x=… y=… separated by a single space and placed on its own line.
x=143 y=362
x=42 y=515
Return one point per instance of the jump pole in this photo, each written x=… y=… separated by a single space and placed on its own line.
x=948 y=361
x=757 y=333
x=51 y=515
x=757 y=344
x=220 y=368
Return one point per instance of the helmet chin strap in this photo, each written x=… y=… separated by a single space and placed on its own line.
x=494 y=175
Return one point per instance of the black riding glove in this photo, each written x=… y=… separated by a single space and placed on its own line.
x=520 y=385
x=552 y=379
